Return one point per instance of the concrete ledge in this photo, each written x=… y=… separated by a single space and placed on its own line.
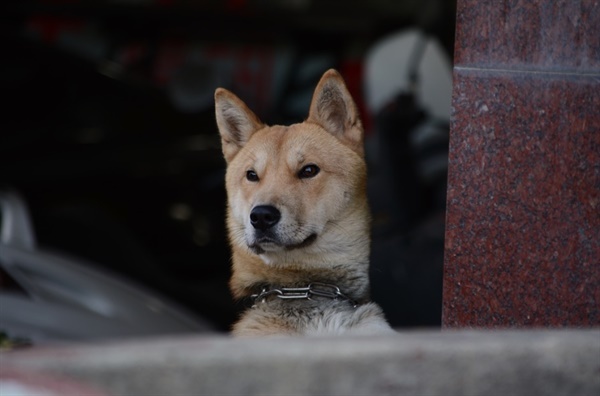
x=526 y=362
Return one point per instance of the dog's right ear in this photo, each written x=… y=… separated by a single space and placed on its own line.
x=236 y=122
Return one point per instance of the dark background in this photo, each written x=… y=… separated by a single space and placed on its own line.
x=109 y=133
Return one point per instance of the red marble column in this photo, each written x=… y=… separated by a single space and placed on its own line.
x=523 y=202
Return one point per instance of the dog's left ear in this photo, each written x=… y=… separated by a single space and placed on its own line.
x=236 y=122
x=333 y=108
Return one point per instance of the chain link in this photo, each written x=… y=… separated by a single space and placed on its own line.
x=317 y=289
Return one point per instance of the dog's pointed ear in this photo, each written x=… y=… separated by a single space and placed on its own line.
x=236 y=122
x=333 y=108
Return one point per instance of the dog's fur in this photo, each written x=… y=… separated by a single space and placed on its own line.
x=312 y=224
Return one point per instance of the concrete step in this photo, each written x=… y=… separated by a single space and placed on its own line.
x=428 y=362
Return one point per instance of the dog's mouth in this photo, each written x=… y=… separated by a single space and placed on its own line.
x=308 y=241
x=266 y=243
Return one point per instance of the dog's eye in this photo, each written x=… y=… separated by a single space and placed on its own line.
x=251 y=176
x=308 y=171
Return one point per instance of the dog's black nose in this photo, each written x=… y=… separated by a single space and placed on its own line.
x=264 y=217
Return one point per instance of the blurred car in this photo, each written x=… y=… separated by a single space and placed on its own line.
x=49 y=297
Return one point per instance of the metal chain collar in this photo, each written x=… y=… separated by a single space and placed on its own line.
x=303 y=293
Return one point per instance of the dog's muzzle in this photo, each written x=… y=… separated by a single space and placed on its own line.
x=264 y=219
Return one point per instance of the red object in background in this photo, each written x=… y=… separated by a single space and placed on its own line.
x=50 y=27
x=352 y=70
x=132 y=53
x=235 y=4
x=170 y=56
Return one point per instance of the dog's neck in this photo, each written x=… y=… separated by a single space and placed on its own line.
x=252 y=277
x=312 y=291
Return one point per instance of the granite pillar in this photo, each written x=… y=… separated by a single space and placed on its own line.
x=523 y=201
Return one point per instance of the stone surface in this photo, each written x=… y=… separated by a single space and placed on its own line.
x=549 y=362
x=523 y=223
x=552 y=35
x=523 y=201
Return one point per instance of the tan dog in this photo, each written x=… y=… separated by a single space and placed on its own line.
x=298 y=218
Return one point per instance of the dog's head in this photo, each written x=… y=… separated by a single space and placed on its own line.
x=299 y=190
